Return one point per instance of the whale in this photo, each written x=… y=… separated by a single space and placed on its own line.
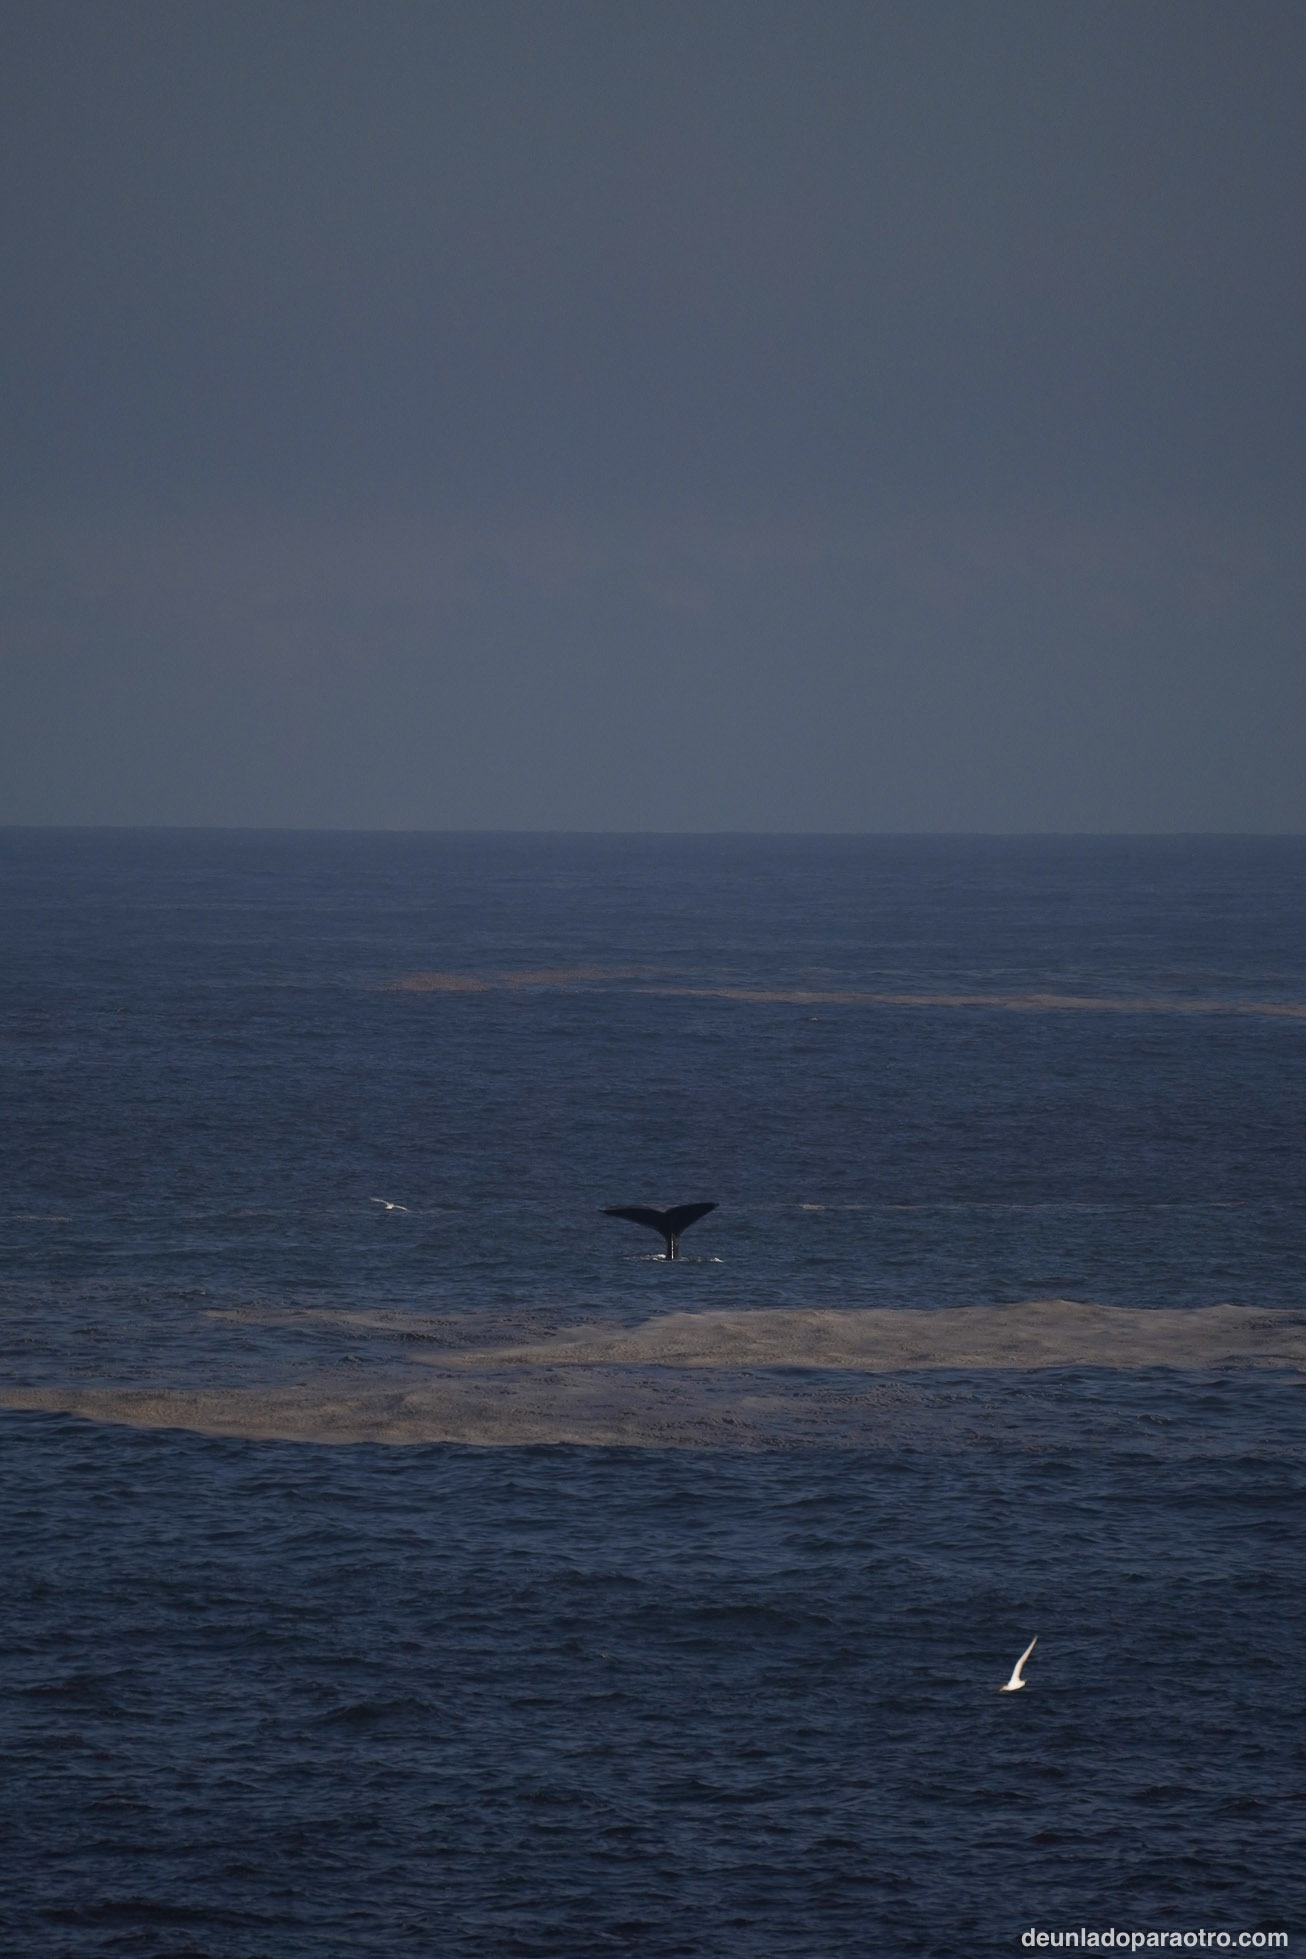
x=670 y=1223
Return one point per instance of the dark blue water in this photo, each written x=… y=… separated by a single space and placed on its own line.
x=276 y=1699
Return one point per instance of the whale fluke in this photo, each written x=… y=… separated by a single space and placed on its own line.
x=670 y=1223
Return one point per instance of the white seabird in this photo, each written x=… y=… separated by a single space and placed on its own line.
x=388 y=1205
x=1015 y=1683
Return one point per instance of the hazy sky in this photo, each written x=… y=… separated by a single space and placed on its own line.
x=808 y=416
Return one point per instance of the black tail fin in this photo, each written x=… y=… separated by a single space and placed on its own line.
x=681 y=1216
x=669 y=1223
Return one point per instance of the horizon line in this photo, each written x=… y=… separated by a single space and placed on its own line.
x=548 y=831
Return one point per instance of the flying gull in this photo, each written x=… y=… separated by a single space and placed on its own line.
x=388 y=1205
x=1015 y=1683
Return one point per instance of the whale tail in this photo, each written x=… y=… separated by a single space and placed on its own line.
x=670 y=1223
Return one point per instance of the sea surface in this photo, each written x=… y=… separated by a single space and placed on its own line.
x=274 y=1700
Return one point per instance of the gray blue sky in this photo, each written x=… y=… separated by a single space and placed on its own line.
x=608 y=416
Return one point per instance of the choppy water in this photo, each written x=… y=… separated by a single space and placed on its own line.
x=275 y=1699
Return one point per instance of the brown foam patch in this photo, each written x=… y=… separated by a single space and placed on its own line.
x=732 y=1380
x=601 y=1408
x=1008 y=1002
x=562 y=977
x=1040 y=1333
x=535 y=976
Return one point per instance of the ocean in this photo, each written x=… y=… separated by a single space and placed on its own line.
x=465 y=1578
